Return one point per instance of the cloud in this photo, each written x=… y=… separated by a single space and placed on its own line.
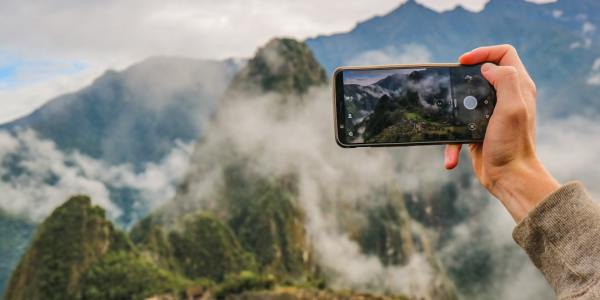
x=298 y=138
x=113 y=34
x=36 y=177
x=115 y=31
x=569 y=149
x=408 y=54
x=20 y=100
x=588 y=28
x=594 y=77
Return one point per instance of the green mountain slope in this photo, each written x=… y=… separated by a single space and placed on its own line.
x=125 y=275
x=247 y=237
x=207 y=248
x=72 y=239
x=264 y=207
x=282 y=66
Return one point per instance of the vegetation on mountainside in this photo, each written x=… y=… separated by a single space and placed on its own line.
x=77 y=254
x=284 y=66
x=66 y=244
x=264 y=214
x=124 y=275
x=250 y=242
x=293 y=293
x=152 y=240
x=387 y=235
x=242 y=282
x=207 y=248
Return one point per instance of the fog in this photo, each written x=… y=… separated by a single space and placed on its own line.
x=36 y=177
x=296 y=137
x=408 y=54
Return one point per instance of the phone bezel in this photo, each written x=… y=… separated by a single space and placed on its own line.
x=338 y=90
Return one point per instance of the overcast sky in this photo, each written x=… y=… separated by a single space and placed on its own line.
x=56 y=46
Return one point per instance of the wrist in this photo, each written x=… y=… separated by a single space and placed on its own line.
x=524 y=187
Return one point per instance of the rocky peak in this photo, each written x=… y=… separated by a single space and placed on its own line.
x=283 y=66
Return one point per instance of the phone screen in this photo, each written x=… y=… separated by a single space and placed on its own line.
x=428 y=105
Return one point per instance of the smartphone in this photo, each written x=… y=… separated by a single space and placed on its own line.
x=402 y=105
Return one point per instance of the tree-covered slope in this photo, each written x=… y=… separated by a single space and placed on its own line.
x=283 y=65
x=65 y=245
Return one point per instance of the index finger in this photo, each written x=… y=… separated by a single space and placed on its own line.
x=503 y=55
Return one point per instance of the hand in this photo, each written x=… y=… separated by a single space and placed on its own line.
x=506 y=162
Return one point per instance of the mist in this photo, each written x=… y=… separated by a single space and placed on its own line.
x=37 y=177
x=408 y=54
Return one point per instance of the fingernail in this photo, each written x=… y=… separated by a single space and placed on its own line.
x=486 y=67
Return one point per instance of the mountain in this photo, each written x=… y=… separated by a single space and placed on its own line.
x=249 y=175
x=246 y=235
x=72 y=239
x=281 y=66
x=557 y=41
x=136 y=115
x=261 y=210
x=78 y=254
x=15 y=234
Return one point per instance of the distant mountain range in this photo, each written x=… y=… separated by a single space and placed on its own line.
x=117 y=118
x=559 y=43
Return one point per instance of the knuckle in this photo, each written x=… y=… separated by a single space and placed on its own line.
x=509 y=73
x=517 y=113
x=509 y=48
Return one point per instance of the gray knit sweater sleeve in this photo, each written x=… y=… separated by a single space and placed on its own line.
x=562 y=238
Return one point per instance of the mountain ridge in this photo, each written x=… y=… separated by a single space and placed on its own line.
x=138 y=101
x=558 y=51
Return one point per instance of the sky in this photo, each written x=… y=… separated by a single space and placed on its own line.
x=54 y=47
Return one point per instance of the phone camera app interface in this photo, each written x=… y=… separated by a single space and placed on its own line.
x=415 y=105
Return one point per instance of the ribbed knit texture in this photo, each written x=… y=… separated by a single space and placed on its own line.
x=562 y=238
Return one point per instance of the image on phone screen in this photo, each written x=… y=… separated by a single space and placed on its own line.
x=412 y=105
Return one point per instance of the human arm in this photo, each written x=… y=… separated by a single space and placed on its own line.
x=558 y=227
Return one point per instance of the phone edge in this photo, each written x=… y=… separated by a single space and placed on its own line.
x=390 y=66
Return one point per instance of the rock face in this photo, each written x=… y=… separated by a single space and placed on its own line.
x=66 y=244
x=282 y=66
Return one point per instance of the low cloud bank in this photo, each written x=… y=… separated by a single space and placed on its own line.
x=36 y=177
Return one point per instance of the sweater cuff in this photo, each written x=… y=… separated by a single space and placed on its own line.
x=561 y=237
